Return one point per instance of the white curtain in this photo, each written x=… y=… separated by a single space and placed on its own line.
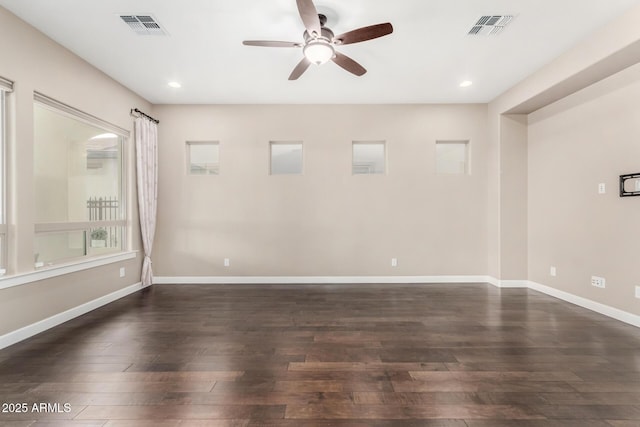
x=146 y=134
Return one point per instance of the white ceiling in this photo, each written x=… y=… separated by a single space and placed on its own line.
x=423 y=61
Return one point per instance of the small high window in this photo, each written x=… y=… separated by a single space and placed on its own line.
x=203 y=158
x=286 y=158
x=368 y=157
x=452 y=157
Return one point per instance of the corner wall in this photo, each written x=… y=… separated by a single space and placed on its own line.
x=585 y=139
x=513 y=199
x=581 y=129
x=36 y=63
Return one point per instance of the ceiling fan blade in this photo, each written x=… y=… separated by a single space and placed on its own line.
x=300 y=68
x=268 y=43
x=348 y=64
x=364 y=34
x=309 y=15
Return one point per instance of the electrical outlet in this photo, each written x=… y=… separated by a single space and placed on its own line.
x=552 y=271
x=227 y=262
x=122 y=272
x=602 y=188
x=394 y=262
x=637 y=291
x=598 y=282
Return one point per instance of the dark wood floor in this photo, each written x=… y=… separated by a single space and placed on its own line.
x=350 y=355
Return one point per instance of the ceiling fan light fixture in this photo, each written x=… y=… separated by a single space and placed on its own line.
x=318 y=51
x=320 y=41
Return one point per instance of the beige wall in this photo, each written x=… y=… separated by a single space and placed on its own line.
x=328 y=222
x=36 y=63
x=493 y=193
x=325 y=222
x=609 y=50
x=585 y=131
x=513 y=199
x=585 y=139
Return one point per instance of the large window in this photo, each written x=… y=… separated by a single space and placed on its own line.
x=79 y=185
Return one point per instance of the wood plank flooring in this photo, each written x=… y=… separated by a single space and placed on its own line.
x=450 y=355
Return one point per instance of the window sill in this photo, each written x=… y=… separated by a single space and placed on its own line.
x=62 y=269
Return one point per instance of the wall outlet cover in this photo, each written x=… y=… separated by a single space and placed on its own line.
x=598 y=282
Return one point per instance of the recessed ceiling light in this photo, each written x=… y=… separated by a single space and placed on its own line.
x=175 y=85
x=466 y=83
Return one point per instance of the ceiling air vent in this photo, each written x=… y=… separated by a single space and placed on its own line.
x=490 y=25
x=143 y=25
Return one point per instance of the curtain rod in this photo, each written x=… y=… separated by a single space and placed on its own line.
x=135 y=110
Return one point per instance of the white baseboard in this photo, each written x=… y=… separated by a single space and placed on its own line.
x=606 y=310
x=510 y=283
x=55 y=320
x=303 y=280
x=41 y=326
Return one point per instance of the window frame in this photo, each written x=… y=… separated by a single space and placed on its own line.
x=87 y=226
x=4 y=258
x=297 y=142
x=385 y=166
x=188 y=145
x=467 y=155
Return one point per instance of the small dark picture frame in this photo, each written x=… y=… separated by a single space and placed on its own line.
x=623 y=180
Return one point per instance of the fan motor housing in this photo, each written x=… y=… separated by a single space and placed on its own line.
x=325 y=33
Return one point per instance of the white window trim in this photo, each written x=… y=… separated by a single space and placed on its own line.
x=48 y=227
x=74 y=113
x=188 y=156
x=6 y=86
x=3 y=157
x=467 y=143
x=86 y=227
x=285 y=142
x=372 y=142
x=62 y=269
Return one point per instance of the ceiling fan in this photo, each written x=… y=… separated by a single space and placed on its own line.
x=320 y=42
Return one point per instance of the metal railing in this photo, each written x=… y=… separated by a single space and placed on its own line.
x=104 y=209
